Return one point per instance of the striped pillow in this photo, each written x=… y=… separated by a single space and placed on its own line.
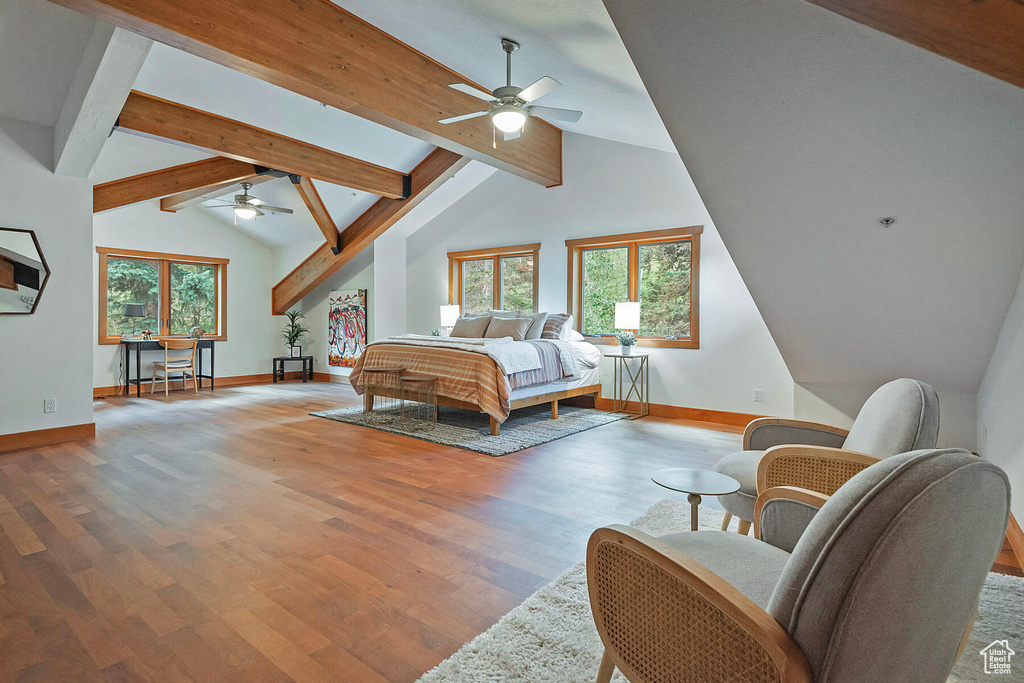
x=554 y=326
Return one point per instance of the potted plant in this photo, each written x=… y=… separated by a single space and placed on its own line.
x=294 y=331
x=627 y=340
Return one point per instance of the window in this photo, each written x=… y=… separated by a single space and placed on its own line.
x=178 y=292
x=503 y=278
x=659 y=269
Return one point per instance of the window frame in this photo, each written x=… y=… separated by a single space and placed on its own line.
x=457 y=258
x=574 y=273
x=165 y=260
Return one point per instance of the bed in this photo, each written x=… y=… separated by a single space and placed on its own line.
x=493 y=376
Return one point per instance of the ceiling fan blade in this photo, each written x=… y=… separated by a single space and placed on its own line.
x=570 y=115
x=258 y=212
x=470 y=90
x=463 y=117
x=275 y=209
x=541 y=87
x=514 y=135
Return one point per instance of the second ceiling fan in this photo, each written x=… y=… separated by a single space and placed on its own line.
x=510 y=105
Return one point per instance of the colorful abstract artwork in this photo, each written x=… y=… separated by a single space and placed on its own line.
x=346 y=327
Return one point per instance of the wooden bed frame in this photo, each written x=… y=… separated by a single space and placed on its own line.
x=552 y=398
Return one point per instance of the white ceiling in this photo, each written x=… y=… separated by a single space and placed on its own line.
x=41 y=45
x=800 y=128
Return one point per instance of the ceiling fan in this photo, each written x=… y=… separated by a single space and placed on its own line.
x=510 y=105
x=246 y=206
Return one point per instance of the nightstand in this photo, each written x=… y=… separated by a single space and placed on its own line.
x=638 y=376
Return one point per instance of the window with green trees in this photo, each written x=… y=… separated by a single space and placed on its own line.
x=178 y=293
x=500 y=278
x=659 y=269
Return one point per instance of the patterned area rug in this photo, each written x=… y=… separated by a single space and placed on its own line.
x=525 y=428
x=550 y=637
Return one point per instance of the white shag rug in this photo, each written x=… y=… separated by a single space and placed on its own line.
x=550 y=637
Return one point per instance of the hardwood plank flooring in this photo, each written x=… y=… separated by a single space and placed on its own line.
x=233 y=537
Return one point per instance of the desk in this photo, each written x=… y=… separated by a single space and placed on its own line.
x=140 y=345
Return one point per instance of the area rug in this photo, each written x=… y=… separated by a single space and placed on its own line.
x=550 y=638
x=526 y=427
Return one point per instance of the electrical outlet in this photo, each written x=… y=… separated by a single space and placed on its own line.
x=316 y=362
x=49 y=405
x=758 y=395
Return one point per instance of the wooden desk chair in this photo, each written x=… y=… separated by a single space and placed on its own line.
x=186 y=365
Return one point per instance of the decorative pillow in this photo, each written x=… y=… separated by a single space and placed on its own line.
x=503 y=314
x=508 y=327
x=573 y=335
x=470 y=327
x=554 y=326
x=537 y=327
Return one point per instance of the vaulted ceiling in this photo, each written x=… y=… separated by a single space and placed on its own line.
x=802 y=128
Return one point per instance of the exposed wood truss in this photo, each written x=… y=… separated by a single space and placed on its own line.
x=159 y=118
x=317 y=49
x=200 y=175
x=320 y=214
x=430 y=174
x=184 y=200
x=982 y=35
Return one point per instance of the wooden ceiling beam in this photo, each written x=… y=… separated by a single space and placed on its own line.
x=319 y=211
x=189 y=198
x=159 y=118
x=198 y=175
x=319 y=50
x=982 y=35
x=430 y=174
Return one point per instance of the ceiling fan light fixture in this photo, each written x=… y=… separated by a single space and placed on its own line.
x=508 y=118
x=245 y=212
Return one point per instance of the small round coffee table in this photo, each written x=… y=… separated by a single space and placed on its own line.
x=696 y=483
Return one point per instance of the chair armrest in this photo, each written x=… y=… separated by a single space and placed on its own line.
x=784 y=534
x=663 y=613
x=817 y=468
x=765 y=432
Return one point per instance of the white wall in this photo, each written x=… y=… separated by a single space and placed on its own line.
x=253 y=332
x=46 y=354
x=1000 y=404
x=613 y=188
x=356 y=274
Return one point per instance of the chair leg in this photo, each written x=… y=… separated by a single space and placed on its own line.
x=195 y=382
x=725 y=522
x=604 y=674
x=744 y=527
x=152 y=381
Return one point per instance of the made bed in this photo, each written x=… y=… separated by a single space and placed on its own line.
x=493 y=376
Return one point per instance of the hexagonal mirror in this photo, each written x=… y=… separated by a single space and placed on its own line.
x=23 y=271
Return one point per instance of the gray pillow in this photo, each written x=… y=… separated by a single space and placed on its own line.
x=554 y=325
x=472 y=327
x=537 y=326
x=509 y=327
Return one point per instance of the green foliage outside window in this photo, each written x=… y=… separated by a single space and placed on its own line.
x=132 y=281
x=517 y=283
x=478 y=285
x=193 y=297
x=605 y=282
x=665 y=289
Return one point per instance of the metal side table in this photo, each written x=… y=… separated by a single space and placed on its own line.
x=639 y=378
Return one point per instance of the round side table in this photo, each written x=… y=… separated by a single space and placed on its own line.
x=695 y=483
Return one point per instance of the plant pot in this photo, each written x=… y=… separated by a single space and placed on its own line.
x=296 y=351
x=626 y=350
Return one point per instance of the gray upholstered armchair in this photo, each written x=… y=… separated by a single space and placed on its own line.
x=882 y=585
x=900 y=416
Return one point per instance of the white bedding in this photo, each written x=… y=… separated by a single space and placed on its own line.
x=587 y=377
x=511 y=356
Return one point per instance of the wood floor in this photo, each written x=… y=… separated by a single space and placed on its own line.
x=233 y=537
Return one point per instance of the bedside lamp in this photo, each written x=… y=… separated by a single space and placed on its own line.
x=449 y=316
x=627 y=315
x=134 y=311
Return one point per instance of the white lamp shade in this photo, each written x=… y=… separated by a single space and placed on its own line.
x=627 y=315
x=449 y=314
